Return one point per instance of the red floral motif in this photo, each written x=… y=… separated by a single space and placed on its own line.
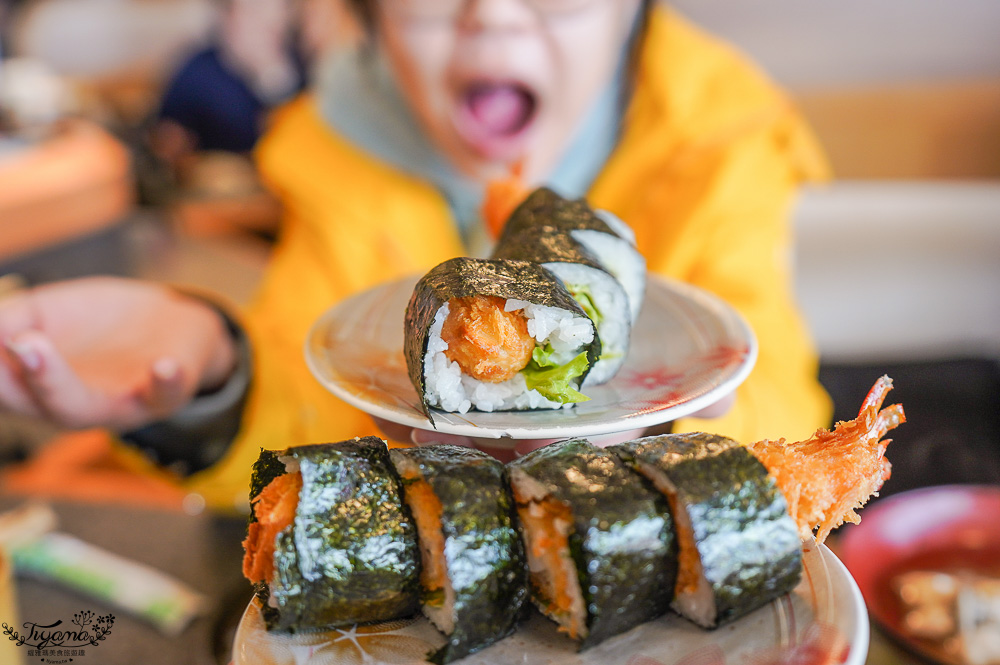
x=819 y=644
x=660 y=403
x=653 y=378
x=724 y=356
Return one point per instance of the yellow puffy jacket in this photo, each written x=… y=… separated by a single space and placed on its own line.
x=705 y=172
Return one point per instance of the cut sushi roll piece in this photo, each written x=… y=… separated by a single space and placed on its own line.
x=496 y=335
x=330 y=542
x=598 y=539
x=739 y=548
x=607 y=238
x=600 y=295
x=473 y=576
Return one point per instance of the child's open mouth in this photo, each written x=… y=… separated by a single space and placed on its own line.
x=493 y=117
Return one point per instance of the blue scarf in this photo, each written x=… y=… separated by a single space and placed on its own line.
x=360 y=100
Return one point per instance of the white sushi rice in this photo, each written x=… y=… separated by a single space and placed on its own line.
x=619 y=257
x=611 y=301
x=622 y=229
x=446 y=387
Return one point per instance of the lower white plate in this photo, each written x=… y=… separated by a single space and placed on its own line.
x=824 y=614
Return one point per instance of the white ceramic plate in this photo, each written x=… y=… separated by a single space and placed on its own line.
x=824 y=614
x=689 y=348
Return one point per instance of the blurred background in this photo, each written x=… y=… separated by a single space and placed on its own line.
x=898 y=258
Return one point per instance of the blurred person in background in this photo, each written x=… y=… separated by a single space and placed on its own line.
x=219 y=98
x=217 y=104
x=382 y=169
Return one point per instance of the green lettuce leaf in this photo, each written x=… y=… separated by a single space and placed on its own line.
x=542 y=355
x=582 y=295
x=553 y=381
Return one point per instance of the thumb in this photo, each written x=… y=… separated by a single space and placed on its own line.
x=166 y=390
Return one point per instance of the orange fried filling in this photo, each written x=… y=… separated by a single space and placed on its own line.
x=274 y=509
x=426 y=508
x=488 y=343
x=689 y=560
x=548 y=546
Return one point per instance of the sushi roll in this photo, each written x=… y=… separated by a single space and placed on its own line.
x=600 y=295
x=598 y=540
x=330 y=542
x=473 y=577
x=609 y=240
x=739 y=548
x=496 y=335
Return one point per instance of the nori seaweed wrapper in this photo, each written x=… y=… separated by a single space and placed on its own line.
x=351 y=553
x=545 y=244
x=265 y=469
x=464 y=277
x=483 y=548
x=543 y=229
x=748 y=544
x=544 y=207
x=622 y=538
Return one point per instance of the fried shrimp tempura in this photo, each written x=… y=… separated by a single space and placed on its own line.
x=488 y=343
x=502 y=197
x=827 y=477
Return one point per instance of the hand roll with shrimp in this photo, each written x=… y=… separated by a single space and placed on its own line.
x=547 y=230
x=330 y=541
x=473 y=582
x=599 y=540
x=609 y=240
x=496 y=335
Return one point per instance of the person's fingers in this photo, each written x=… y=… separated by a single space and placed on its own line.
x=394 y=431
x=604 y=440
x=14 y=395
x=420 y=437
x=17 y=315
x=718 y=409
x=55 y=387
x=423 y=437
x=506 y=450
x=166 y=392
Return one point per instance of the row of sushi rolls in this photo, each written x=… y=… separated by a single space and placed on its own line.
x=599 y=540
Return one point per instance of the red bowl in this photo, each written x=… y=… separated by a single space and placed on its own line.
x=949 y=528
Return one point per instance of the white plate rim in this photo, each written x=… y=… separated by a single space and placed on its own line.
x=466 y=425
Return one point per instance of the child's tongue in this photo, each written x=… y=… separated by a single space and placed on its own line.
x=500 y=109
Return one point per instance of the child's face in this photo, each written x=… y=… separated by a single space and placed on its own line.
x=495 y=82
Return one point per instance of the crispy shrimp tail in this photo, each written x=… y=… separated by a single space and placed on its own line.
x=827 y=477
x=502 y=197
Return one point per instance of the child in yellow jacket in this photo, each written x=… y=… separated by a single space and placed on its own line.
x=381 y=169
